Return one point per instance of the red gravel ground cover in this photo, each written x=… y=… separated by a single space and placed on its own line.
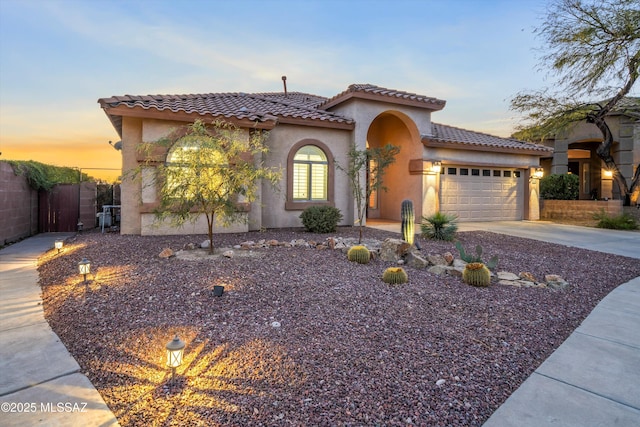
x=304 y=337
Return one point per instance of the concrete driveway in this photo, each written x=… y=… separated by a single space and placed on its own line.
x=625 y=243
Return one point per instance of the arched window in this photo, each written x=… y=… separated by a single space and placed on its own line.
x=309 y=175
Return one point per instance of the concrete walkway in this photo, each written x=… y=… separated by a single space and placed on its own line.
x=40 y=382
x=593 y=378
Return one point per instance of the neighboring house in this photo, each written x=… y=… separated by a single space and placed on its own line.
x=575 y=152
x=440 y=168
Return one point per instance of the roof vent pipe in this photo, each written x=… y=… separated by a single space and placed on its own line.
x=284 y=82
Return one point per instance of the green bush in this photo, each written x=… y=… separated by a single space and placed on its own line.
x=560 y=187
x=439 y=226
x=321 y=219
x=620 y=222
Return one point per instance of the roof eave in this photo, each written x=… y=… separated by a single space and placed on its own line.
x=478 y=147
x=181 y=116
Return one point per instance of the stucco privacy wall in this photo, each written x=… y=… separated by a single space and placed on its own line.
x=281 y=140
x=417 y=122
x=18 y=206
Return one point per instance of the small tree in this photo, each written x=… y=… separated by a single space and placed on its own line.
x=376 y=161
x=210 y=171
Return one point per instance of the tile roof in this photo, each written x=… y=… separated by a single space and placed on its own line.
x=449 y=134
x=381 y=93
x=256 y=107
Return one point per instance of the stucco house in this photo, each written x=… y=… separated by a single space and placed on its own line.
x=575 y=152
x=477 y=176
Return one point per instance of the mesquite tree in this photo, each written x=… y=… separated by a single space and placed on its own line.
x=210 y=170
x=593 y=46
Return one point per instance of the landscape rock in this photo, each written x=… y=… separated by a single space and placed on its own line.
x=393 y=249
x=416 y=261
x=505 y=275
x=527 y=276
x=227 y=254
x=437 y=269
x=449 y=258
x=437 y=260
x=166 y=253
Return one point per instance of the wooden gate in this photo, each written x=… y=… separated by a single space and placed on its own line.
x=64 y=205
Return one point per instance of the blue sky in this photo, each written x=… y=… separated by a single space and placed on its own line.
x=58 y=57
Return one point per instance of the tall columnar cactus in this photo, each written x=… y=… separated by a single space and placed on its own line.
x=476 y=274
x=359 y=254
x=408 y=221
x=395 y=276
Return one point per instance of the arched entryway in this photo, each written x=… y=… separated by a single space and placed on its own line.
x=396 y=128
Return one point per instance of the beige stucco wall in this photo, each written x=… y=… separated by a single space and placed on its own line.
x=397 y=124
x=138 y=188
x=130 y=188
x=625 y=150
x=280 y=141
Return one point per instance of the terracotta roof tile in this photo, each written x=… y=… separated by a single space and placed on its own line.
x=384 y=93
x=252 y=106
x=444 y=133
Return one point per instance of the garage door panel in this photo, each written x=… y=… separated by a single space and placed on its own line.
x=482 y=197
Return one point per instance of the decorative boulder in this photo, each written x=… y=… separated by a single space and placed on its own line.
x=393 y=249
x=416 y=261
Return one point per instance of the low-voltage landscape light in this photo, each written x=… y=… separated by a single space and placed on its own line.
x=58 y=245
x=175 y=351
x=84 y=268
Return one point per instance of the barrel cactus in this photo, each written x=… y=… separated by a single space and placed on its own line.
x=395 y=275
x=359 y=254
x=476 y=274
x=408 y=221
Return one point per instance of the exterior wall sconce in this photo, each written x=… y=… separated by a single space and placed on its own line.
x=607 y=174
x=84 y=268
x=436 y=167
x=58 y=245
x=538 y=173
x=175 y=351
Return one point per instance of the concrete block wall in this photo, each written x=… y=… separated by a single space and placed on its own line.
x=18 y=206
x=578 y=209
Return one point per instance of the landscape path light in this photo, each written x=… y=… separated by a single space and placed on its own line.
x=84 y=268
x=175 y=351
x=58 y=245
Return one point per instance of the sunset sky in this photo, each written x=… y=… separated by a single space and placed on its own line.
x=57 y=57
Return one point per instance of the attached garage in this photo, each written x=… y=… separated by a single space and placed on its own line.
x=482 y=194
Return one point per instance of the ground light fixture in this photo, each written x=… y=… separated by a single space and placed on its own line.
x=58 y=245
x=80 y=227
x=175 y=350
x=84 y=268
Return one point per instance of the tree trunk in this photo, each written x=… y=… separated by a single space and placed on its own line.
x=210 y=230
x=604 y=152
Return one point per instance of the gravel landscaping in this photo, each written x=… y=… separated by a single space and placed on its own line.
x=304 y=337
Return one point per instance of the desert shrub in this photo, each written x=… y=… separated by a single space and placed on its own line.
x=321 y=219
x=619 y=222
x=560 y=187
x=439 y=226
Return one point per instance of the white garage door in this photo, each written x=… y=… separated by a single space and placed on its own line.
x=482 y=194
